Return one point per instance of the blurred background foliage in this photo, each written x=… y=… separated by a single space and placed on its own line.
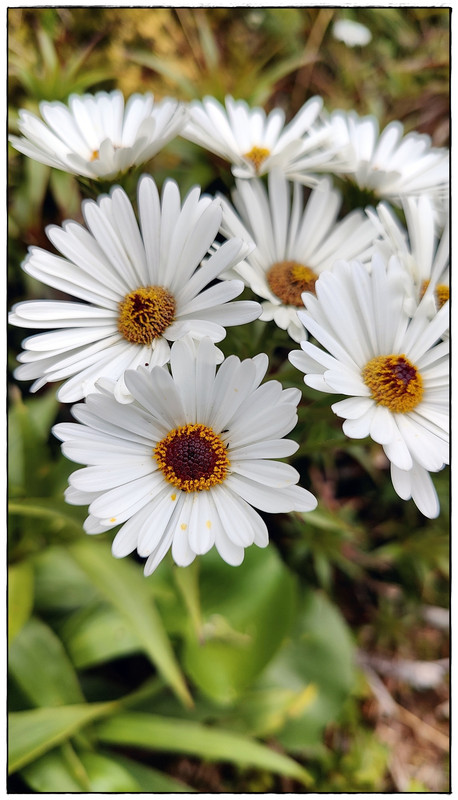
x=318 y=665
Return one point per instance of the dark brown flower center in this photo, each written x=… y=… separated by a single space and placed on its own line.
x=192 y=458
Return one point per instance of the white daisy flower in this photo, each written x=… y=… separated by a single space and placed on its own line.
x=392 y=366
x=388 y=164
x=96 y=136
x=294 y=243
x=351 y=33
x=183 y=464
x=423 y=249
x=140 y=288
x=255 y=142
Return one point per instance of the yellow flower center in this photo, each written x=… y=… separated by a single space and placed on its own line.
x=145 y=313
x=394 y=382
x=288 y=280
x=442 y=293
x=192 y=458
x=257 y=155
x=94 y=155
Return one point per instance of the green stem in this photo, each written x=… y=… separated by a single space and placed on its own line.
x=150 y=689
x=75 y=766
x=187 y=581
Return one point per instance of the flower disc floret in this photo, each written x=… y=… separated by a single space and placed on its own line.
x=441 y=293
x=192 y=458
x=288 y=279
x=257 y=155
x=145 y=314
x=394 y=382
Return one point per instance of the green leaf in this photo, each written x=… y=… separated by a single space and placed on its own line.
x=151 y=780
x=265 y=712
x=48 y=51
x=32 y=733
x=20 y=596
x=210 y=743
x=320 y=654
x=42 y=668
x=173 y=73
x=65 y=190
x=97 y=633
x=63 y=517
x=106 y=774
x=124 y=586
x=51 y=773
x=60 y=584
x=66 y=770
x=246 y=615
x=28 y=430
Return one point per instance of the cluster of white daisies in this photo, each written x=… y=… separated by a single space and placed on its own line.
x=180 y=444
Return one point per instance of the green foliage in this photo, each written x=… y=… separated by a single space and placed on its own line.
x=152 y=732
x=44 y=75
x=246 y=614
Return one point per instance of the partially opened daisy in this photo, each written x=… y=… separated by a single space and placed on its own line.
x=183 y=464
x=294 y=242
x=97 y=136
x=387 y=164
x=423 y=249
x=253 y=141
x=394 y=368
x=138 y=287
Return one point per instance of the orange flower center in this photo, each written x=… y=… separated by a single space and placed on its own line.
x=288 y=280
x=257 y=155
x=442 y=293
x=394 y=382
x=145 y=313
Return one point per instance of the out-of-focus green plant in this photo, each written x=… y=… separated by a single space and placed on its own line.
x=44 y=74
x=253 y=74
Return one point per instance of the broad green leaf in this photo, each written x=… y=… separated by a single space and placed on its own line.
x=60 y=584
x=106 y=774
x=265 y=712
x=151 y=780
x=52 y=773
x=42 y=668
x=207 y=742
x=97 y=633
x=20 y=596
x=122 y=583
x=319 y=654
x=246 y=615
x=67 y=770
x=32 y=733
